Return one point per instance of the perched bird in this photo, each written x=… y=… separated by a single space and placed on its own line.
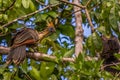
x=110 y=47
x=23 y=38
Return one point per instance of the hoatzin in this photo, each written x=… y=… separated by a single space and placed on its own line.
x=23 y=38
x=110 y=47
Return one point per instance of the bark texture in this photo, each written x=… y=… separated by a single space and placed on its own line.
x=79 y=30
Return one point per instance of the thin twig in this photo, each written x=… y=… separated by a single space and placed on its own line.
x=88 y=3
x=40 y=3
x=81 y=6
x=26 y=75
x=71 y=14
x=10 y=6
x=112 y=64
x=30 y=14
x=94 y=6
x=117 y=76
x=89 y=20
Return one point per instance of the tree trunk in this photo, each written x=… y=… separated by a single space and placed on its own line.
x=79 y=30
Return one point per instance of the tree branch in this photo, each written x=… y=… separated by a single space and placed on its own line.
x=82 y=7
x=78 y=5
x=30 y=14
x=37 y=56
x=89 y=20
x=43 y=57
x=108 y=65
x=49 y=58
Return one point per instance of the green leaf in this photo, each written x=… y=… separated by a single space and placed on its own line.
x=54 y=36
x=102 y=29
x=117 y=55
x=117 y=67
x=49 y=42
x=46 y=69
x=119 y=13
x=1 y=16
x=7 y=76
x=5 y=17
x=0 y=1
x=25 y=3
x=67 y=30
x=109 y=4
x=32 y=6
x=97 y=42
x=42 y=48
x=113 y=19
x=54 y=1
x=90 y=44
x=43 y=16
x=52 y=14
x=35 y=73
x=69 y=53
x=18 y=3
x=69 y=7
x=94 y=43
x=24 y=66
x=15 y=26
x=53 y=77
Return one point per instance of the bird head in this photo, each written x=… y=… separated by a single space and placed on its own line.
x=51 y=27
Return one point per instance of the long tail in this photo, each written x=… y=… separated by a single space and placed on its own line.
x=17 y=55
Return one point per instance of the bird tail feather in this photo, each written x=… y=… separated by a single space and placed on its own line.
x=17 y=55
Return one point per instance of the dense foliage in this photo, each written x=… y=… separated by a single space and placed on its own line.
x=16 y=14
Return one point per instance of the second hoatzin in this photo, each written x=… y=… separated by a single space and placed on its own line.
x=23 y=38
x=110 y=47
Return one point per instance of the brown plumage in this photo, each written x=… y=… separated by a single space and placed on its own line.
x=110 y=47
x=24 y=38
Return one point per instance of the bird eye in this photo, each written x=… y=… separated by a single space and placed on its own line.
x=51 y=29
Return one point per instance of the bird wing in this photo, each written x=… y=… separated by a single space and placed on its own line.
x=26 y=36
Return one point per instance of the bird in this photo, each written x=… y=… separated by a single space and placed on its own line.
x=23 y=38
x=110 y=47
